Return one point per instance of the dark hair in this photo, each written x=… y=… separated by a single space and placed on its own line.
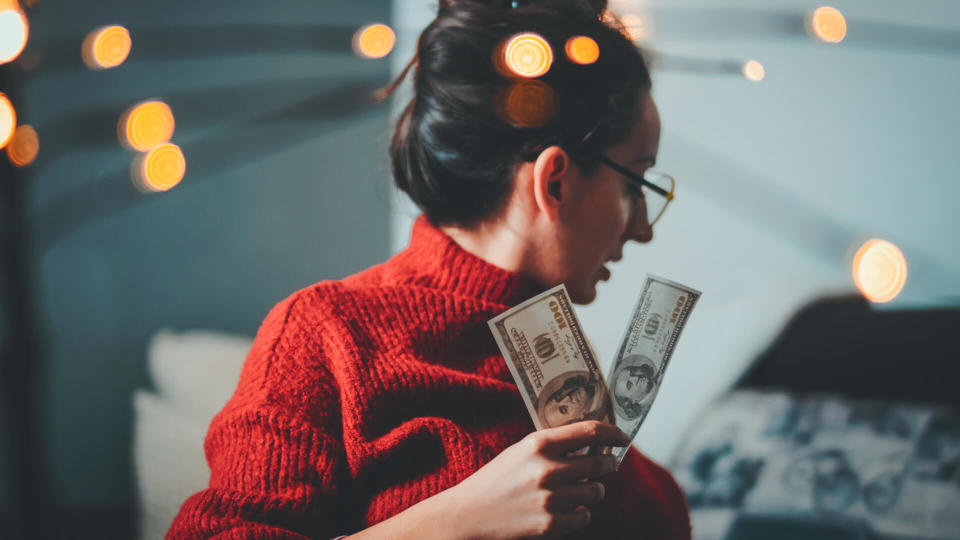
x=455 y=149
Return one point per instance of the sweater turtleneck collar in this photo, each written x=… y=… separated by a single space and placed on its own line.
x=435 y=260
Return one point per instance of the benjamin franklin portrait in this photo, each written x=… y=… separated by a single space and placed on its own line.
x=632 y=385
x=572 y=397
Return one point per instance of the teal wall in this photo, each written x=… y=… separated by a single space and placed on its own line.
x=273 y=200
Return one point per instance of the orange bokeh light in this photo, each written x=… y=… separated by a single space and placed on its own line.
x=582 y=50
x=14 y=31
x=530 y=103
x=24 y=146
x=754 y=71
x=528 y=55
x=8 y=120
x=146 y=125
x=374 y=41
x=828 y=24
x=106 y=47
x=879 y=270
x=635 y=26
x=161 y=169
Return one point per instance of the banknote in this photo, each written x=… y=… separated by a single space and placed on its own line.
x=637 y=370
x=552 y=362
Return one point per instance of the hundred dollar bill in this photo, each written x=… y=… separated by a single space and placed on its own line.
x=638 y=368
x=552 y=362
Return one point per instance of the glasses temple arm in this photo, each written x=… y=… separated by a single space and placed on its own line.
x=636 y=178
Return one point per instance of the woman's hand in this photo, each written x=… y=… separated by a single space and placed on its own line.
x=533 y=489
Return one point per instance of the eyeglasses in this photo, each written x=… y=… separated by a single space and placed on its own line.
x=660 y=183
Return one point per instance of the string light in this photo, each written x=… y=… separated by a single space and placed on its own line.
x=106 y=47
x=8 y=120
x=24 y=146
x=879 y=270
x=828 y=24
x=160 y=169
x=14 y=30
x=582 y=50
x=754 y=71
x=146 y=125
x=374 y=41
x=528 y=55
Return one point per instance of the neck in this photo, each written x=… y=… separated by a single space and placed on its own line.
x=500 y=242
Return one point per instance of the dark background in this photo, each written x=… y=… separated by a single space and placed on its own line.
x=285 y=186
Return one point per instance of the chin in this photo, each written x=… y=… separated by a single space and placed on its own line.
x=584 y=294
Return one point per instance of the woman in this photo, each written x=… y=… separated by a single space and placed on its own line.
x=378 y=406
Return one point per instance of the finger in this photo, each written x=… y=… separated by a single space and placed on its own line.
x=568 y=522
x=563 y=439
x=567 y=498
x=576 y=468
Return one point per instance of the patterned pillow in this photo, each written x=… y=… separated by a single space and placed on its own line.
x=771 y=465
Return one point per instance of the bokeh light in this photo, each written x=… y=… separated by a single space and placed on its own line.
x=635 y=26
x=160 y=169
x=146 y=125
x=530 y=103
x=528 y=55
x=8 y=120
x=828 y=24
x=106 y=47
x=609 y=18
x=582 y=50
x=374 y=41
x=879 y=270
x=14 y=30
x=24 y=146
x=754 y=71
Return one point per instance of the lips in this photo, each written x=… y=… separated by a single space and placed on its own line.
x=604 y=273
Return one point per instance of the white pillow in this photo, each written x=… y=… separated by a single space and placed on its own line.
x=194 y=373
x=196 y=370
x=169 y=461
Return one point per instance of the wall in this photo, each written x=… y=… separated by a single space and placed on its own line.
x=780 y=181
x=282 y=190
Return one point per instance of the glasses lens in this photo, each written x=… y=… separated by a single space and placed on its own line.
x=657 y=202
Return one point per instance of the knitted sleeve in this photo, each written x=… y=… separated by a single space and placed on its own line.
x=671 y=503
x=676 y=511
x=275 y=451
x=643 y=501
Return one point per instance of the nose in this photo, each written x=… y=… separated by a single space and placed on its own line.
x=639 y=229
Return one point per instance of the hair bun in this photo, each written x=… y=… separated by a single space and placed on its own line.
x=459 y=139
x=598 y=6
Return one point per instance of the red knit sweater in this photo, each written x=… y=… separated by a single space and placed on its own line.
x=361 y=397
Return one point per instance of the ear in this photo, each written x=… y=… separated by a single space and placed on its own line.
x=550 y=180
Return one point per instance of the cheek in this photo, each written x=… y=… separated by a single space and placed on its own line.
x=612 y=222
x=600 y=225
